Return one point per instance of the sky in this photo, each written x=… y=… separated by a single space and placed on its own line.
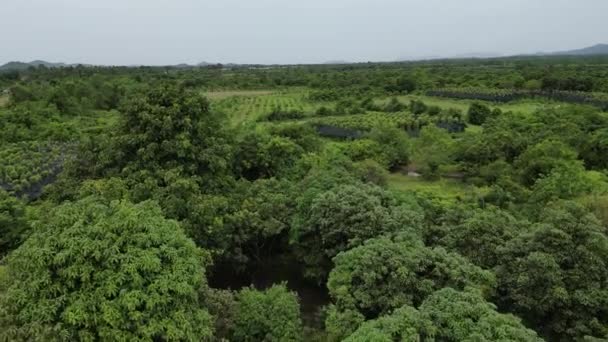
x=163 y=32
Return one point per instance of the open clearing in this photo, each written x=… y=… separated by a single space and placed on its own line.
x=3 y=100
x=524 y=106
x=444 y=187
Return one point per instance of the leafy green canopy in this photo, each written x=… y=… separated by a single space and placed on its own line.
x=479 y=236
x=270 y=315
x=556 y=275
x=168 y=128
x=110 y=272
x=343 y=218
x=446 y=315
x=384 y=274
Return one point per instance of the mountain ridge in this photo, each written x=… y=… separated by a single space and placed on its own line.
x=597 y=49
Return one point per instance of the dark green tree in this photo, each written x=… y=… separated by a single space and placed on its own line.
x=480 y=236
x=13 y=225
x=555 y=275
x=540 y=159
x=478 y=113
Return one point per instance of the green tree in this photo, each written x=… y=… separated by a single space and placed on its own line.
x=384 y=274
x=595 y=149
x=405 y=85
x=555 y=275
x=404 y=324
x=446 y=315
x=417 y=107
x=261 y=155
x=480 y=236
x=566 y=181
x=433 y=149
x=98 y=271
x=13 y=224
x=257 y=221
x=343 y=218
x=270 y=315
x=466 y=316
x=394 y=143
x=167 y=128
x=478 y=113
x=540 y=159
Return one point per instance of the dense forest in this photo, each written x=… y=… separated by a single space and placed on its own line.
x=449 y=200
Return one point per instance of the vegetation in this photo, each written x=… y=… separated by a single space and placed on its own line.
x=439 y=200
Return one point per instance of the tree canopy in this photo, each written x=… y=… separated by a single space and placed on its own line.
x=105 y=271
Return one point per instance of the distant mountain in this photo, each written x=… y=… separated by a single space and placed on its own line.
x=471 y=55
x=598 y=49
x=24 y=66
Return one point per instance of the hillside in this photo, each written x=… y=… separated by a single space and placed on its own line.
x=598 y=49
x=23 y=66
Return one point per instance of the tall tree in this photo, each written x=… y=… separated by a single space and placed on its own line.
x=98 y=271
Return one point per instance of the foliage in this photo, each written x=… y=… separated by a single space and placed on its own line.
x=447 y=315
x=116 y=271
x=540 y=159
x=394 y=143
x=13 y=225
x=342 y=218
x=385 y=274
x=261 y=155
x=270 y=315
x=433 y=149
x=555 y=274
x=27 y=166
x=480 y=236
x=167 y=128
x=478 y=113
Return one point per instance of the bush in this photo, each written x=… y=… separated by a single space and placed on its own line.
x=270 y=315
x=478 y=113
x=417 y=107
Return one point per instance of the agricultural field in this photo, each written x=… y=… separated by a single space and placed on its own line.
x=250 y=106
x=4 y=100
x=223 y=94
x=26 y=167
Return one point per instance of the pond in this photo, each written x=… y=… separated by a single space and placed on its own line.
x=276 y=270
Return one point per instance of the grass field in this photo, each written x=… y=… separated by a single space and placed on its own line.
x=446 y=188
x=525 y=106
x=3 y=100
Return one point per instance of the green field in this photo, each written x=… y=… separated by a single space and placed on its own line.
x=525 y=106
x=249 y=106
x=3 y=100
x=445 y=188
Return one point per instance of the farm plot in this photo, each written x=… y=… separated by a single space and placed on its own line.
x=241 y=109
x=28 y=166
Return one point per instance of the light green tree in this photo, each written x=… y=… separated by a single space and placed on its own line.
x=110 y=272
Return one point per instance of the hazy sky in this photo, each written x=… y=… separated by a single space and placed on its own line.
x=290 y=31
